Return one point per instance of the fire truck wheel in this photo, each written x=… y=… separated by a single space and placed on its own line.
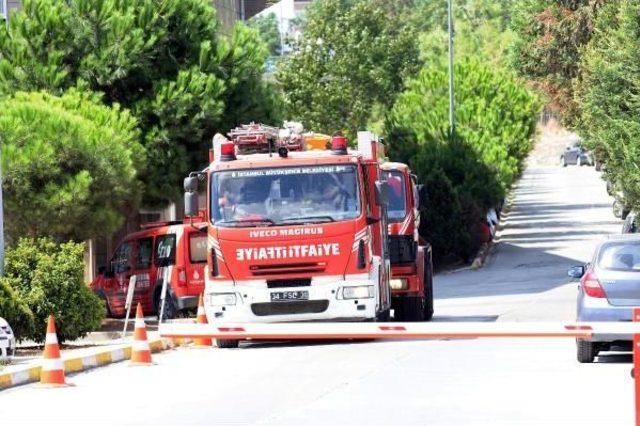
x=413 y=308
x=227 y=343
x=384 y=316
x=428 y=292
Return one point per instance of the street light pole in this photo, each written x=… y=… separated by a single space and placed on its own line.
x=452 y=106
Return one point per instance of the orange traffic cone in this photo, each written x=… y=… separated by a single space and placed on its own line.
x=140 y=351
x=52 y=373
x=202 y=342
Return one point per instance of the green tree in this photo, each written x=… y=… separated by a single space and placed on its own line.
x=551 y=36
x=495 y=125
x=267 y=27
x=164 y=61
x=351 y=60
x=608 y=92
x=49 y=278
x=481 y=30
x=69 y=165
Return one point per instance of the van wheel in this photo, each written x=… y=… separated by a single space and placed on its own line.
x=586 y=351
x=170 y=310
x=563 y=161
x=227 y=343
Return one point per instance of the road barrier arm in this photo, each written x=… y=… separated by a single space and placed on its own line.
x=395 y=330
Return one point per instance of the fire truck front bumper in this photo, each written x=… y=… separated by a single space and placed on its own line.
x=339 y=298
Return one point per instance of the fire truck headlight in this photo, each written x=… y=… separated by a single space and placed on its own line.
x=397 y=284
x=222 y=299
x=359 y=292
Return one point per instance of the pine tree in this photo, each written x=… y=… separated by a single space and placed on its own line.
x=163 y=60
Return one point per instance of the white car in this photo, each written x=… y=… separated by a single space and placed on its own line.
x=7 y=340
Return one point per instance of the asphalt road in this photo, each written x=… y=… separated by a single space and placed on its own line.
x=557 y=216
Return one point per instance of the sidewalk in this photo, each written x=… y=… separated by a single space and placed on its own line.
x=97 y=349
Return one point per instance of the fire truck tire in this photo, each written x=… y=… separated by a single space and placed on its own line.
x=384 y=316
x=428 y=291
x=227 y=343
x=412 y=308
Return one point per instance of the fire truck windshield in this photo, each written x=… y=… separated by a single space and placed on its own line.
x=397 y=207
x=291 y=195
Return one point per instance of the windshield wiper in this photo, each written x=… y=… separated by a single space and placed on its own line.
x=247 y=222
x=308 y=219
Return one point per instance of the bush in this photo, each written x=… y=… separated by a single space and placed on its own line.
x=14 y=310
x=49 y=278
x=469 y=172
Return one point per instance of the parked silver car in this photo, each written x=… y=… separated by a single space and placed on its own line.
x=609 y=289
x=7 y=340
x=576 y=154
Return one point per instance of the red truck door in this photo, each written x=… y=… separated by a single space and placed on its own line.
x=144 y=271
x=196 y=254
x=121 y=267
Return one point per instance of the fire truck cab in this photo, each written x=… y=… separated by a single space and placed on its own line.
x=294 y=234
x=410 y=256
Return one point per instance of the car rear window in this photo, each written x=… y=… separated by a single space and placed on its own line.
x=198 y=247
x=624 y=256
x=165 y=250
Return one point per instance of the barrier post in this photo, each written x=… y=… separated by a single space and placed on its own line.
x=636 y=364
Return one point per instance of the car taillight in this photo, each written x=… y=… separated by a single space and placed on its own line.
x=182 y=277
x=592 y=286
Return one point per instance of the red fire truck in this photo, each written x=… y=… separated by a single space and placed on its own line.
x=294 y=234
x=410 y=256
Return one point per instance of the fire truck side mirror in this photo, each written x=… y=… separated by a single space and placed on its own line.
x=191 y=184
x=191 y=204
x=382 y=193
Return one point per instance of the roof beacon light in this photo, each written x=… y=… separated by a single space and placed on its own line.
x=339 y=145
x=227 y=151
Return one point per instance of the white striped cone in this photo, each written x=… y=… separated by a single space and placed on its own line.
x=140 y=350
x=52 y=373
x=202 y=342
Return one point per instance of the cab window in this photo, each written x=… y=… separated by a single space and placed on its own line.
x=198 y=248
x=165 y=250
x=397 y=208
x=144 y=251
x=121 y=261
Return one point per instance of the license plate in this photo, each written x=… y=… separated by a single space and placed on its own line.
x=284 y=296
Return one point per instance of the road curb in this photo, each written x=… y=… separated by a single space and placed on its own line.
x=76 y=364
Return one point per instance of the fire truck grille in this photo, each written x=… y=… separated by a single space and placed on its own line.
x=287 y=308
x=287 y=268
x=304 y=282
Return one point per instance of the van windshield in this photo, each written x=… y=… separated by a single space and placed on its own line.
x=292 y=195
